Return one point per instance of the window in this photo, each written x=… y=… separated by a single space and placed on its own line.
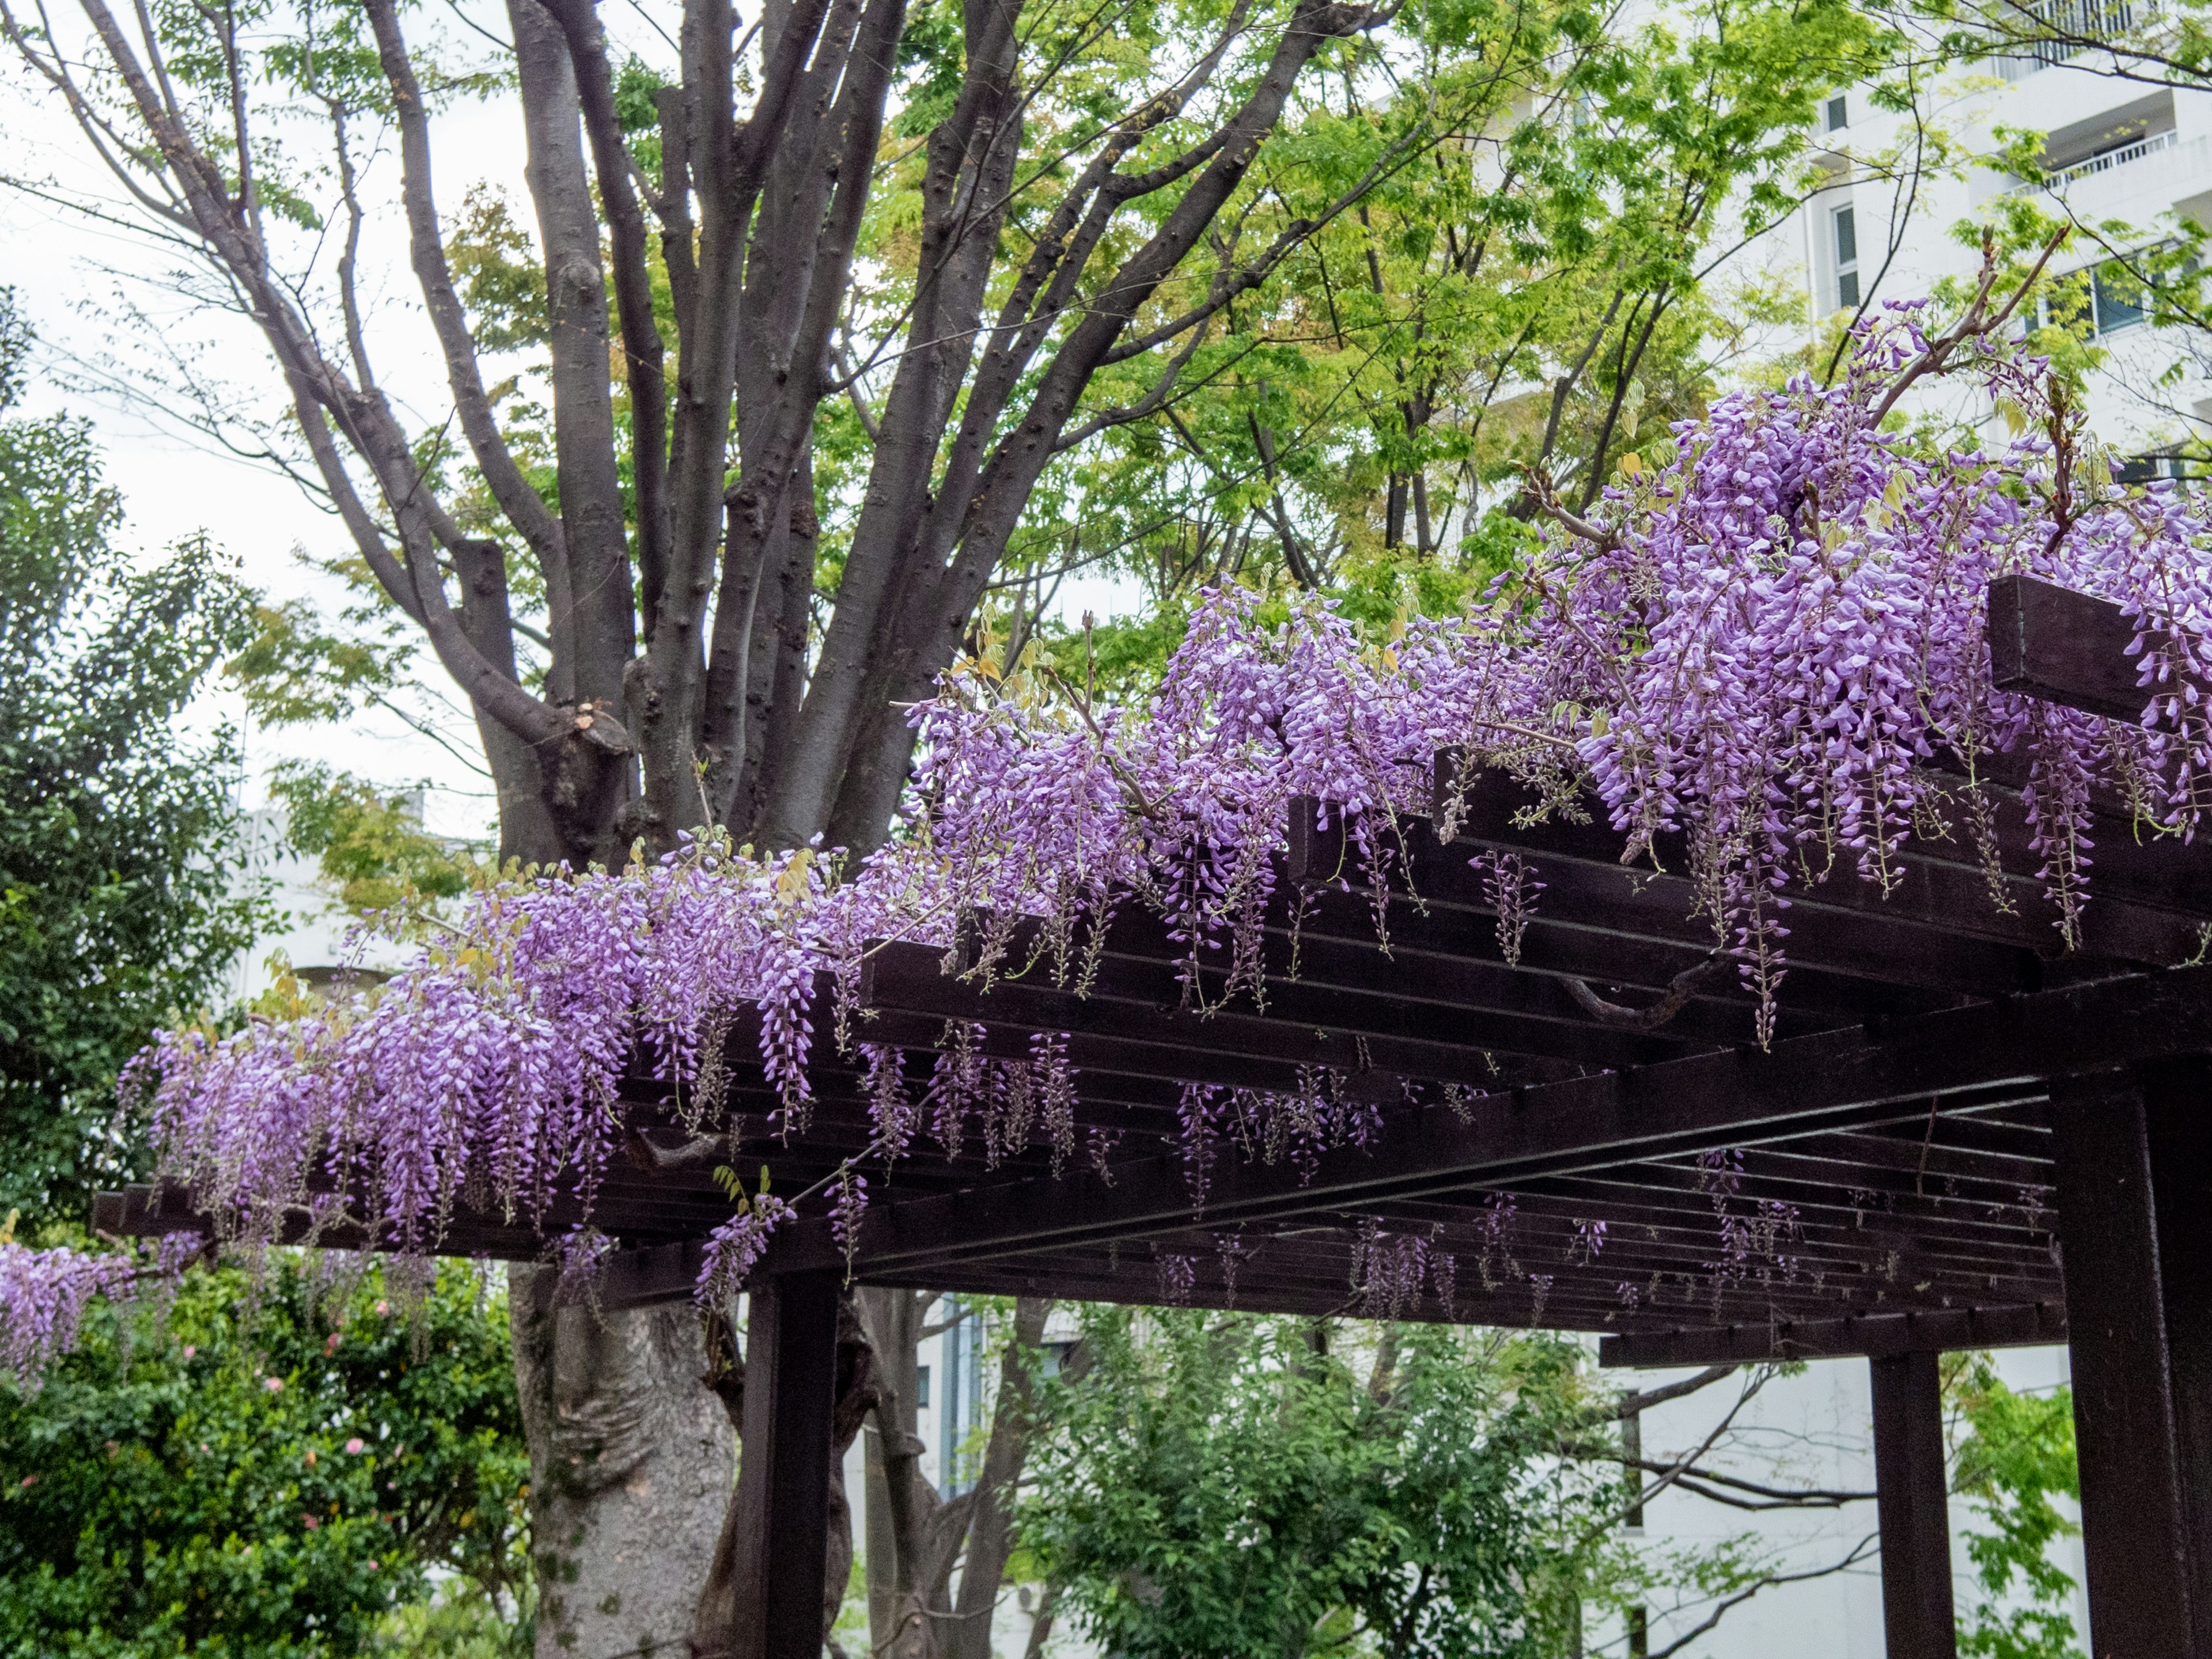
x=2116 y=296
x=922 y=1388
x=1839 y=113
x=1846 y=228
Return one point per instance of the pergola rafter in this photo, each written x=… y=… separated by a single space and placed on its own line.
x=1580 y=1121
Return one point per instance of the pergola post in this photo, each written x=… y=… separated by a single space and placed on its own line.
x=2135 y=1186
x=783 y=1470
x=1913 y=1503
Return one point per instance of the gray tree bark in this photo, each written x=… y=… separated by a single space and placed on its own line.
x=632 y=1461
x=917 y=1539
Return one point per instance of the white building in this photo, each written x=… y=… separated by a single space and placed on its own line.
x=314 y=931
x=1812 y=1430
x=2124 y=160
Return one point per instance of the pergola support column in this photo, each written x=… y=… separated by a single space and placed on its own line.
x=783 y=1471
x=2134 y=1161
x=1913 y=1501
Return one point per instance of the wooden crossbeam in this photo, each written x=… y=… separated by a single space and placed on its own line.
x=1571 y=1297
x=1638 y=1196
x=1851 y=1196
x=1938 y=1329
x=1825 y=1082
x=1348 y=1032
x=1451 y=965
x=1937 y=923
x=2064 y=647
x=1556 y=949
x=1594 y=890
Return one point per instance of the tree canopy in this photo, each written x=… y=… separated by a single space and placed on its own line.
x=124 y=891
x=1241 y=1486
x=805 y=344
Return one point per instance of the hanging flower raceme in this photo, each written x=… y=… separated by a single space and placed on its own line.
x=1752 y=656
x=43 y=1296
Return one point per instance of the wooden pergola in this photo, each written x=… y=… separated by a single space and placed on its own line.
x=1959 y=1136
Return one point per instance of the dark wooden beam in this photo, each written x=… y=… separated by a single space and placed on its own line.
x=1345 y=1031
x=1555 y=948
x=1636 y=1216
x=1937 y=925
x=780 y=1529
x=658 y=1273
x=2134 y=1183
x=2064 y=647
x=1824 y=1082
x=1313 y=962
x=1913 y=1499
x=1587 y=886
x=1940 y=1330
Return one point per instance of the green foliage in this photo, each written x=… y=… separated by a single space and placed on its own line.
x=192 y=1489
x=1234 y=1485
x=121 y=897
x=499 y=273
x=295 y=670
x=1527 y=289
x=2017 y=1454
x=370 y=844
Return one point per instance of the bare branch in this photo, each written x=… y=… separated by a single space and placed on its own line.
x=1859 y=1552
x=1630 y=1405
x=1975 y=322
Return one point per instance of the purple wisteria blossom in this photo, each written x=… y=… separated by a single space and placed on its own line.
x=43 y=1296
x=1762 y=661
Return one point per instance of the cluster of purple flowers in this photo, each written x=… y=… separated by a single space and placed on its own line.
x=43 y=1296
x=1768 y=632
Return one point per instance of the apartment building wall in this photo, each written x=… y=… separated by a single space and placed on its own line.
x=2123 y=153
x=312 y=933
x=1815 y=1430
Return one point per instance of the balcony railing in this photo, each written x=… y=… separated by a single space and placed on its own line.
x=2074 y=25
x=2150 y=144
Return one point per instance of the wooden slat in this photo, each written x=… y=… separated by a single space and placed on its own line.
x=1602 y=895
x=1304 y=1026
x=1934 y=902
x=1940 y=1330
x=2064 y=647
x=1814 y=1084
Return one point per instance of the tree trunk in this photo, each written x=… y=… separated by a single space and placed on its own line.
x=915 y=1539
x=632 y=1462
x=902 y=1578
x=991 y=1522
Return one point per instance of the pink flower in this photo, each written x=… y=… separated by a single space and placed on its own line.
x=190 y=1350
x=273 y=1384
x=356 y=1447
x=383 y=1308
x=309 y=1522
x=30 y=1479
